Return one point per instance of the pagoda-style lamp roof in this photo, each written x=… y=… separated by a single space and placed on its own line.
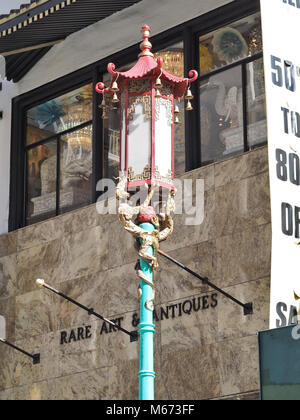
x=147 y=66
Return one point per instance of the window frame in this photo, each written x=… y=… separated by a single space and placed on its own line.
x=189 y=32
x=243 y=64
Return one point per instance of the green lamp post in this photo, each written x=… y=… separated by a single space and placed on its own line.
x=145 y=97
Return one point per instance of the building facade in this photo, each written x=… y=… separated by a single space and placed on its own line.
x=58 y=144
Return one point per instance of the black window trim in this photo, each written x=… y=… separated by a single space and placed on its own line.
x=189 y=32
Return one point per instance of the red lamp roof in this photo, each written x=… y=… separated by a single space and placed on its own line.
x=148 y=66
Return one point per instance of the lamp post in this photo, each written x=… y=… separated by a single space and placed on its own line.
x=145 y=96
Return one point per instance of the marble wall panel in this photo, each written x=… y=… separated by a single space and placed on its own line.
x=232 y=323
x=103 y=346
x=186 y=235
x=7 y=394
x=121 y=388
x=24 y=371
x=115 y=346
x=8 y=276
x=191 y=374
x=244 y=256
x=238 y=365
x=195 y=324
x=242 y=205
x=83 y=219
x=90 y=291
x=8 y=311
x=174 y=283
x=241 y=167
x=36 y=314
x=121 y=246
x=80 y=355
x=38 y=391
x=39 y=233
x=248 y=396
x=121 y=289
x=42 y=261
x=207 y=173
x=8 y=244
x=84 y=253
x=7 y=363
x=89 y=385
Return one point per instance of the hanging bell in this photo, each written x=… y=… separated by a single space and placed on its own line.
x=105 y=114
x=189 y=96
x=189 y=106
x=115 y=98
x=103 y=103
x=176 y=110
x=115 y=87
x=176 y=120
x=157 y=94
x=158 y=84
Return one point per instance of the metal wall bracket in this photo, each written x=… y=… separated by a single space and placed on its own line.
x=36 y=358
x=248 y=308
x=134 y=336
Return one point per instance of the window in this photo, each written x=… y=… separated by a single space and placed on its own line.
x=232 y=96
x=59 y=154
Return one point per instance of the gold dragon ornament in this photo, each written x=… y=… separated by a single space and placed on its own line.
x=131 y=216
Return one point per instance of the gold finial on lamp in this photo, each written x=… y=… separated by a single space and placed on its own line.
x=146 y=45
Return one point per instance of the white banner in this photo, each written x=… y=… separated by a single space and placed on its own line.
x=281 y=38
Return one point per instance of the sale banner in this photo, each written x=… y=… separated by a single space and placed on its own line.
x=281 y=34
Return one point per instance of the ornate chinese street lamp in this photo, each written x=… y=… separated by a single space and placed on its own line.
x=148 y=114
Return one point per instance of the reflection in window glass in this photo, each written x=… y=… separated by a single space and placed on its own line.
x=59 y=114
x=41 y=182
x=76 y=169
x=173 y=57
x=55 y=122
x=221 y=113
x=230 y=44
x=256 y=104
x=111 y=133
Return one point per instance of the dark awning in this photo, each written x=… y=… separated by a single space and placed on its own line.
x=28 y=33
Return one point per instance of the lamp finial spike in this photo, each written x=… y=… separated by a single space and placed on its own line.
x=146 y=45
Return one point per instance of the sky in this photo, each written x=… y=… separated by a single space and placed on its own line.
x=7 y=5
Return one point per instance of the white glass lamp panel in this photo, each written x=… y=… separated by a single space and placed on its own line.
x=139 y=140
x=163 y=141
x=123 y=141
x=2 y=327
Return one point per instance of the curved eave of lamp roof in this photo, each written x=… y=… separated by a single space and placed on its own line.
x=147 y=66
